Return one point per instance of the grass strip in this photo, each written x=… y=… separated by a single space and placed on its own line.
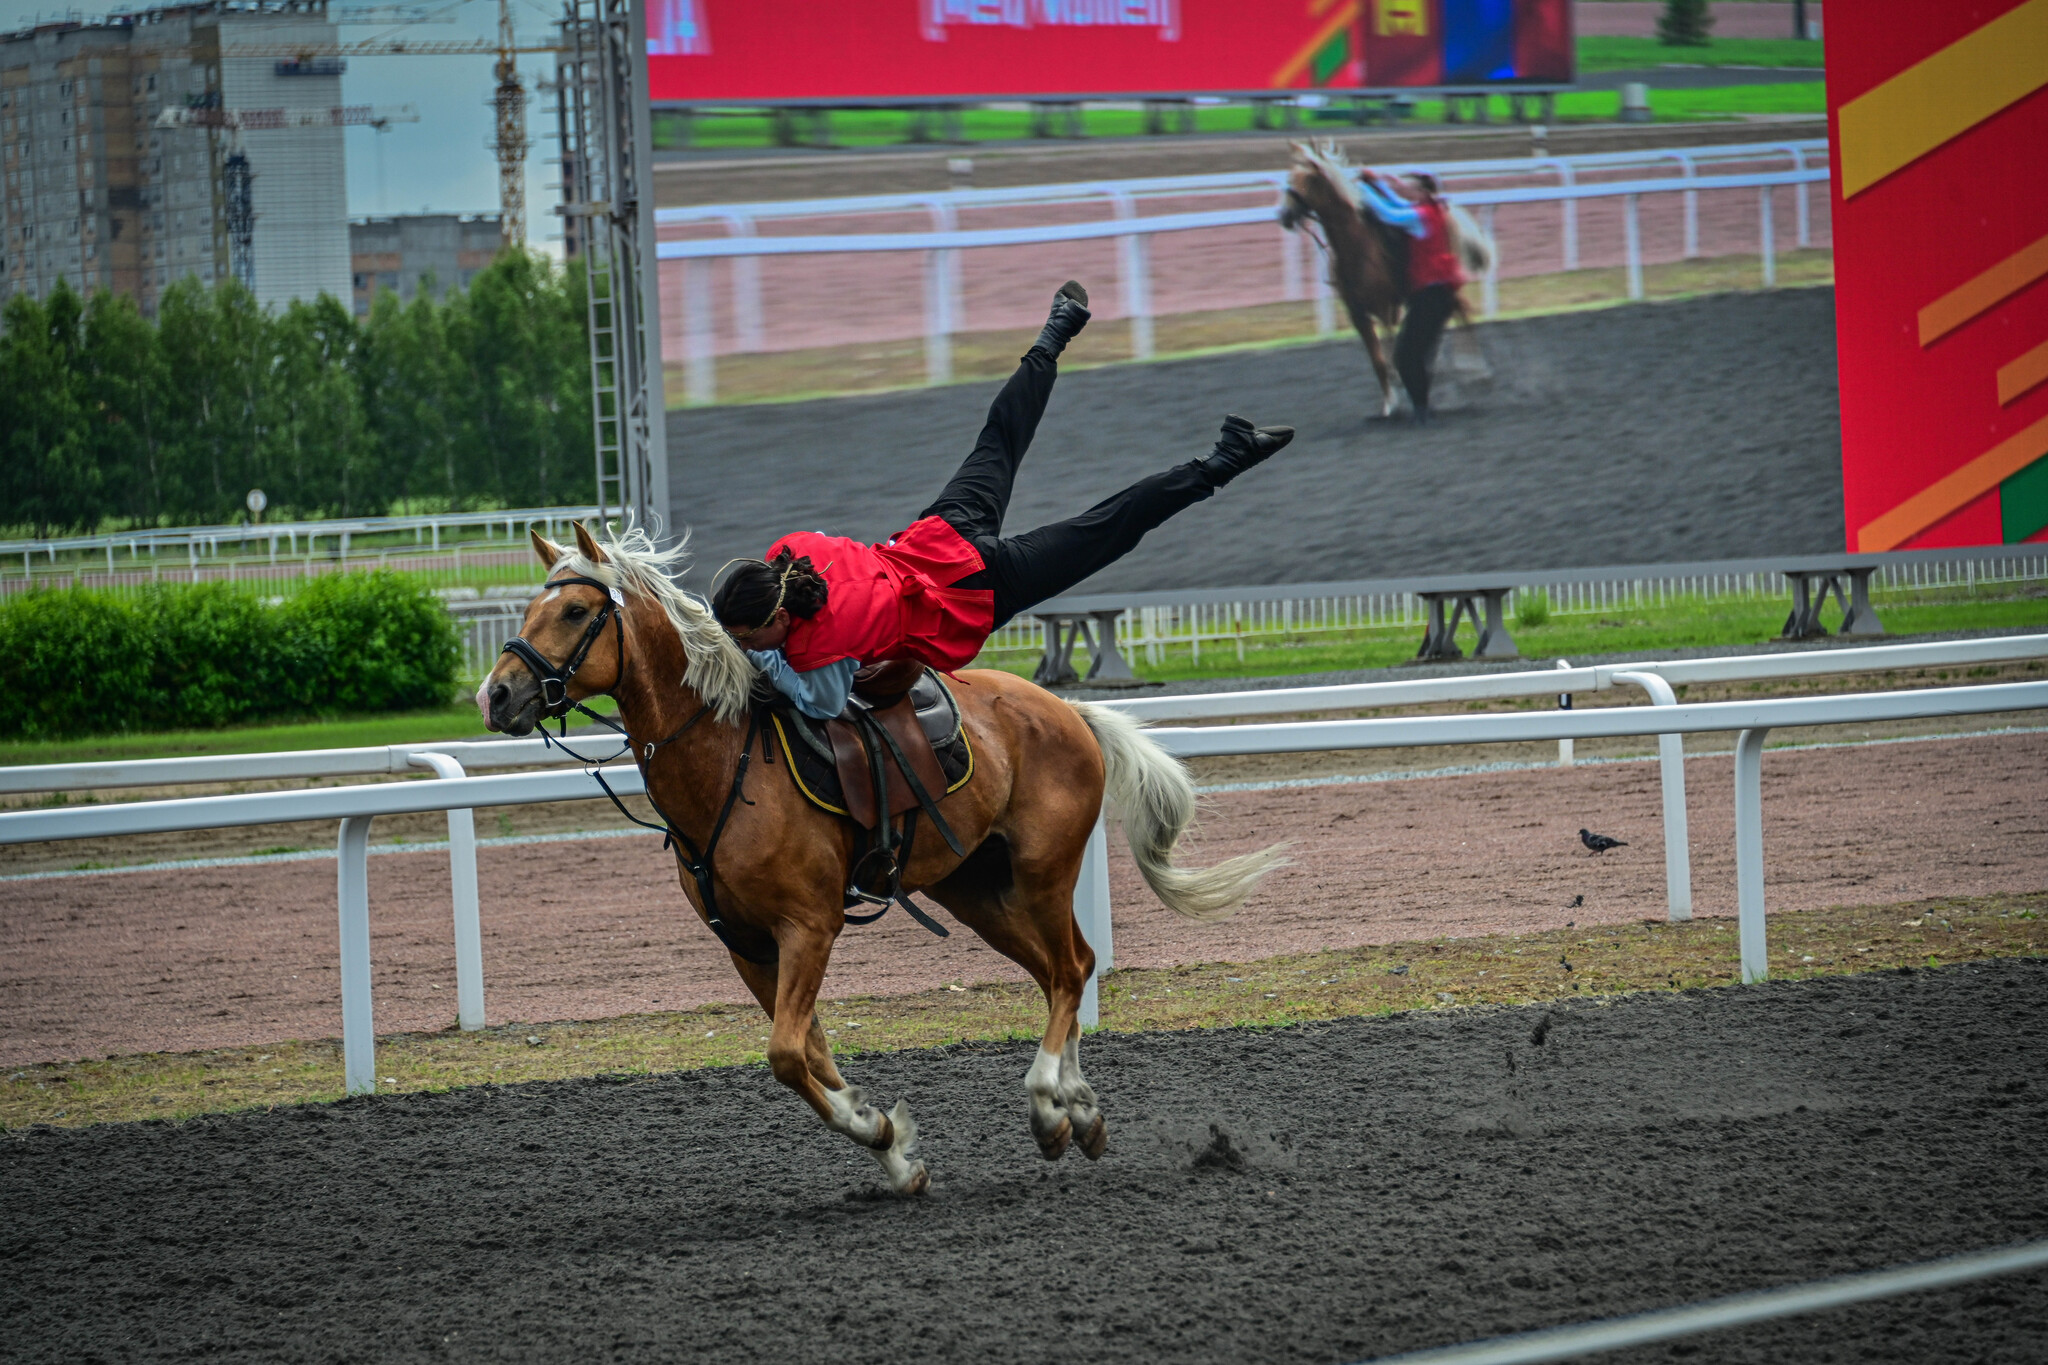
x=1590 y=962
x=1602 y=52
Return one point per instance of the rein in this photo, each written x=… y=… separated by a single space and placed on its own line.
x=697 y=862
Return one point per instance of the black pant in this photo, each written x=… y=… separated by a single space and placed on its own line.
x=1422 y=330
x=1026 y=570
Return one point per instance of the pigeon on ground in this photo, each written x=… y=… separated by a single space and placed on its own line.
x=1599 y=843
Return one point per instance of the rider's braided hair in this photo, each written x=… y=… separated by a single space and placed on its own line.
x=756 y=589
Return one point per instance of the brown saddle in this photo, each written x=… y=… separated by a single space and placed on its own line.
x=907 y=703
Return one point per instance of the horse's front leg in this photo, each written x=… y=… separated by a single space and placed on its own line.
x=802 y=1060
x=1375 y=348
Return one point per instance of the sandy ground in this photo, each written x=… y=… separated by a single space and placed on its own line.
x=226 y=956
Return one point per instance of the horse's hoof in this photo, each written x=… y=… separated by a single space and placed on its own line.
x=916 y=1182
x=1095 y=1141
x=1052 y=1146
x=885 y=1136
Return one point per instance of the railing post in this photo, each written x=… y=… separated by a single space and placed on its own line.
x=1134 y=263
x=746 y=286
x=352 y=895
x=700 y=373
x=1091 y=917
x=1692 y=209
x=1564 y=703
x=1805 y=208
x=1490 y=293
x=1634 y=247
x=1749 y=853
x=1767 y=237
x=1671 y=766
x=469 y=937
x=939 y=320
x=1567 y=177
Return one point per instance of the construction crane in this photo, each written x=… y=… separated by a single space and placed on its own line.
x=238 y=180
x=508 y=100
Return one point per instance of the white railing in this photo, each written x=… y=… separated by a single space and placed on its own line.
x=942 y=243
x=1194 y=618
x=357 y=806
x=446 y=760
x=201 y=543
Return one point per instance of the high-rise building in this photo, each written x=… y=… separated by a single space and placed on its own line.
x=413 y=251
x=94 y=191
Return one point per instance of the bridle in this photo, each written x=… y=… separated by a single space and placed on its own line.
x=554 y=679
x=557 y=704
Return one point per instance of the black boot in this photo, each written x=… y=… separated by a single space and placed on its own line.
x=1241 y=446
x=1069 y=315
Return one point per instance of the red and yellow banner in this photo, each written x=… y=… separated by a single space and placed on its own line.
x=1939 y=121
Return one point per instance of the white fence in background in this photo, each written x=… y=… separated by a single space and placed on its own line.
x=1209 y=617
x=1572 y=177
x=458 y=794
x=204 y=542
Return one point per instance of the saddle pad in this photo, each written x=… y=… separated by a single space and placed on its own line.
x=937 y=726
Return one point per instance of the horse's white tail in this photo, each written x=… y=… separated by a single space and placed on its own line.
x=1154 y=797
x=1476 y=250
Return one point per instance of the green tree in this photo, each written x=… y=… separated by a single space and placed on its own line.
x=316 y=444
x=1684 y=23
x=518 y=332
x=48 y=478
x=125 y=394
x=409 y=381
x=218 y=355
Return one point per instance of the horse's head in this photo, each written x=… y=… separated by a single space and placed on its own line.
x=1318 y=187
x=570 y=646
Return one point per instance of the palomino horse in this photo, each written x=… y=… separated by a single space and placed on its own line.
x=1368 y=259
x=766 y=869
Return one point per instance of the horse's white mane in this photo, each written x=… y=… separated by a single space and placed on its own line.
x=1329 y=159
x=718 y=670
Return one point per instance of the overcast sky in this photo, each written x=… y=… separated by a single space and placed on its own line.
x=443 y=163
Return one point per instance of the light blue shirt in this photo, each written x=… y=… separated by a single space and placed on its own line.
x=1393 y=210
x=820 y=693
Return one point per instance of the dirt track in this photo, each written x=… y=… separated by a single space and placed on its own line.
x=1702 y=429
x=226 y=956
x=1314 y=1194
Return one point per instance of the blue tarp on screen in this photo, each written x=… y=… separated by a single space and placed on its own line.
x=1479 y=41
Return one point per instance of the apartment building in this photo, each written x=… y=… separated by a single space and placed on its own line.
x=95 y=190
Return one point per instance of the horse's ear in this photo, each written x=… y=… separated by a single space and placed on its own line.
x=546 y=549
x=587 y=543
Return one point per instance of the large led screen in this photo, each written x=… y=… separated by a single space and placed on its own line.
x=769 y=50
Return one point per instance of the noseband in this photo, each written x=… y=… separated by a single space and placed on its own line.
x=554 y=680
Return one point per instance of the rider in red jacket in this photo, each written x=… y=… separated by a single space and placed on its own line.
x=819 y=606
x=1434 y=274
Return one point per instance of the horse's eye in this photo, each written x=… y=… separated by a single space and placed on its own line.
x=575 y=612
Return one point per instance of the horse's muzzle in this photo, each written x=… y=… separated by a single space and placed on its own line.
x=511 y=705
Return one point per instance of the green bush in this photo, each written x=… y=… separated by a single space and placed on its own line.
x=1532 y=608
x=76 y=662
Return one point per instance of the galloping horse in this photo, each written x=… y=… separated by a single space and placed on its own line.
x=610 y=620
x=1368 y=260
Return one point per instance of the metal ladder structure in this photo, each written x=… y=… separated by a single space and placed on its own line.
x=607 y=183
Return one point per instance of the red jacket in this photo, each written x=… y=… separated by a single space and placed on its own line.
x=895 y=600
x=1431 y=258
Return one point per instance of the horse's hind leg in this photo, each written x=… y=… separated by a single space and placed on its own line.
x=802 y=1060
x=1025 y=911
